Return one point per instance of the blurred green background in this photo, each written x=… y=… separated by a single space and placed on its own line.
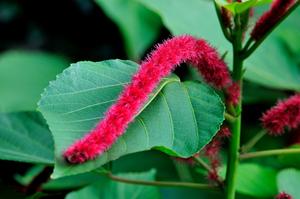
x=39 y=39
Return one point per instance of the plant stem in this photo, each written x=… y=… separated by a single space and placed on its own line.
x=257 y=43
x=259 y=154
x=162 y=183
x=202 y=163
x=230 y=118
x=251 y=143
x=233 y=156
x=183 y=171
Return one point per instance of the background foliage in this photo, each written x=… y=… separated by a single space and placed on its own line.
x=39 y=39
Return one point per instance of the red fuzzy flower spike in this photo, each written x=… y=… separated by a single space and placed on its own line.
x=270 y=18
x=233 y=93
x=158 y=65
x=283 y=195
x=285 y=114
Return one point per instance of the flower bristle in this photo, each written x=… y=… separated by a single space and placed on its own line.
x=267 y=21
x=283 y=195
x=286 y=114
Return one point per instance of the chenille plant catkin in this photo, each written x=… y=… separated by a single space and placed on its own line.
x=286 y=114
x=158 y=65
x=270 y=18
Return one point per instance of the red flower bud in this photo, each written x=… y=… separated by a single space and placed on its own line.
x=283 y=195
x=270 y=18
x=233 y=93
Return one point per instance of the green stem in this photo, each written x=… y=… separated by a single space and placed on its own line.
x=230 y=118
x=162 y=183
x=183 y=171
x=259 y=154
x=251 y=143
x=233 y=156
x=202 y=163
x=257 y=43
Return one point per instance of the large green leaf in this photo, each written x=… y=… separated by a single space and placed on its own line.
x=288 y=181
x=179 y=119
x=289 y=31
x=23 y=137
x=23 y=75
x=277 y=70
x=138 y=25
x=106 y=189
x=191 y=18
x=270 y=65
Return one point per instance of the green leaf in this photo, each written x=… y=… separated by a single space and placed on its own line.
x=255 y=180
x=25 y=138
x=139 y=26
x=239 y=7
x=289 y=32
x=175 y=18
x=290 y=160
x=275 y=71
x=69 y=182
x=254 y=93
x=110 y=190
x=288 y=180
x=187 y=114
x=23 y=75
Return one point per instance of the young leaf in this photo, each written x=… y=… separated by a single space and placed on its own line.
x=288 y=180
x=179 y=118
x=110 y=190
x=138 y=25
x=24 y=138
x=240 y=7
x=23 y=75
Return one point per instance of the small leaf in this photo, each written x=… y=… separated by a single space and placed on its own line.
x=24 y=138
x=240 y=7
x=138 y=25
x=179 y=118
x=288 y=180
x=110 y=190
x=23 y=75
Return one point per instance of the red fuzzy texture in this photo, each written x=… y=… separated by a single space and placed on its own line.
x=283 y=195
x=159 y=64
x=270 y=18
x=212 y=150
x=286 y=114
x=224 y=132
x=233 y=93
